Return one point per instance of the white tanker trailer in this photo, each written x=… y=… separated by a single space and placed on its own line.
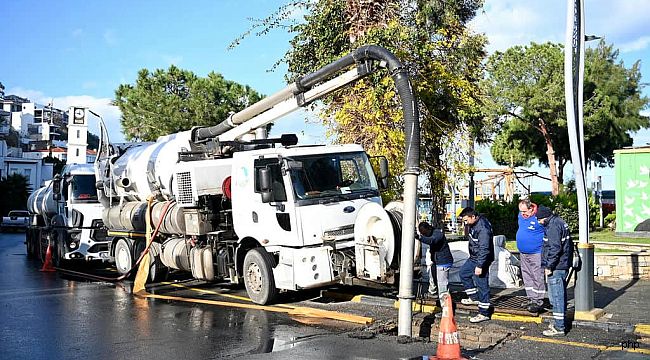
x=66 y=214
x=234 y=205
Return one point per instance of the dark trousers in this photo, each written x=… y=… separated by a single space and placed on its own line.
x=477 y=287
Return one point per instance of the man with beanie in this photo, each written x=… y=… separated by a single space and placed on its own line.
x=475 y=272
x=530 y=236
x=557 y=257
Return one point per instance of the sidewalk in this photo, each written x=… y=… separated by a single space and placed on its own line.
x=626 y=305
x=624 y=302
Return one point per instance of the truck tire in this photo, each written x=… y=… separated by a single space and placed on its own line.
x=28 y=244
x=258 y=276
x=123 y=256
x=157 y=270
x=58 y=249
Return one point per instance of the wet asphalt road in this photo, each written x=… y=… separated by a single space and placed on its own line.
x=46 y=316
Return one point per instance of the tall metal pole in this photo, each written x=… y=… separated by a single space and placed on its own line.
x=472 y=185
x=574 y=54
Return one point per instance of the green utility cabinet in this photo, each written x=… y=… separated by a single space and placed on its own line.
x=632 y=169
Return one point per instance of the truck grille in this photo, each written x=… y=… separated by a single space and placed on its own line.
x=342 y=231
x=184 y=181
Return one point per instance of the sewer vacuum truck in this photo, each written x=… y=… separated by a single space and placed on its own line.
x=230 y=204
x=66 y=215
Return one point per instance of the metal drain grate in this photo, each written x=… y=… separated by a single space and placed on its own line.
x=509 y=304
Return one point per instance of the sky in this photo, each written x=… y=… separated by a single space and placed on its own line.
x=77 y=52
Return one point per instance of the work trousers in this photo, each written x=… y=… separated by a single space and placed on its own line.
x=533 y=274
x=557 y=297
x=477 y=287
x=438 y=281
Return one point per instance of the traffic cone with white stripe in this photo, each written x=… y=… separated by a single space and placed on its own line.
x=448 y=337
x=47 y=265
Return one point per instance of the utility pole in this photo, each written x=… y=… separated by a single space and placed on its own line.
x=472 y=185
x=574 y=57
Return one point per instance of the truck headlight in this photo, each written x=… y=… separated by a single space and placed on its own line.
x=75 y=237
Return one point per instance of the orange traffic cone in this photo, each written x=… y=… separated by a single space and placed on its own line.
x=448 y=339
x=47 y=266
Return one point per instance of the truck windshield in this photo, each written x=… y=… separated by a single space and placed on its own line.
x=83 y=188
x=327 y=175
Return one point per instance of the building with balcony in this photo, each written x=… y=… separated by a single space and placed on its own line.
x=34 y=122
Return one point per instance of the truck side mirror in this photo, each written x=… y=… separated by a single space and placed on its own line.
x=56 y=188
x=265 y=184
x=383 y=172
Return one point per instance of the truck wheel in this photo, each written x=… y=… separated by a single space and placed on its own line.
x=157 y=270
x=123 y=257
x=28 y=244
x=58 y=250
x=258 y=276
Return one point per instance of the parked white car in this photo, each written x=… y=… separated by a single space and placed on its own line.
x=16 y=219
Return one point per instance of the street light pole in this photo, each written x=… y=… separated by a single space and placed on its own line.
x=574 y=57
x=51 y=120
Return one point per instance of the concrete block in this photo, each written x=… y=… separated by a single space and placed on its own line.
x=623 y=261
x=592 y=315
x=604 y=271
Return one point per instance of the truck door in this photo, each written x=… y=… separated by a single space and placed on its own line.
x=271 y=220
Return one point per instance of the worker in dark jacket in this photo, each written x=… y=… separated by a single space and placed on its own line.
x=441 y=258
x=557 y=258
x=475 y=272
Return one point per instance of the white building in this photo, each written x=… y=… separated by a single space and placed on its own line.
x=38 y=125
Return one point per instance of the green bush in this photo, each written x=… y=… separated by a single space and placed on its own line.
x=503 y=214
x=565 y=205
x=610 y=220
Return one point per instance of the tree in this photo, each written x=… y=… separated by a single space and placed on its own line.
x=168 y=101
x=525 y=91
x=430 y=38
x=57 y=166
x=15 y=189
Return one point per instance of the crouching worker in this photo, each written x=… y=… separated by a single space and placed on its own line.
x=557 y=257
x=441 y=259
x=475 y=273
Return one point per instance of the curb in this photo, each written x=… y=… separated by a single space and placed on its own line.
x=640 y=329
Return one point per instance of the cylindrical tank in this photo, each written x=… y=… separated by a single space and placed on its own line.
x=41 y=201
x=148 y=167
x=130 y=216
x=176 y=254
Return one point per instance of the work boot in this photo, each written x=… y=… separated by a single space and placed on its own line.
x=478 y=318
x=468 y=301
x=552 y=331
x=534 y=308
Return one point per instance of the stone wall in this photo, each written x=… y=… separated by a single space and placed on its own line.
x=622 y=266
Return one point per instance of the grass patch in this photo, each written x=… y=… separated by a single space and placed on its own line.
x=599 y=250
x=610 y=236
x=602 y=235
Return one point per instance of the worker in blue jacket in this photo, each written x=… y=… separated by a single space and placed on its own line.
x=557 y=258
x=475 y=273
x=530 y=237
x=441 y=258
